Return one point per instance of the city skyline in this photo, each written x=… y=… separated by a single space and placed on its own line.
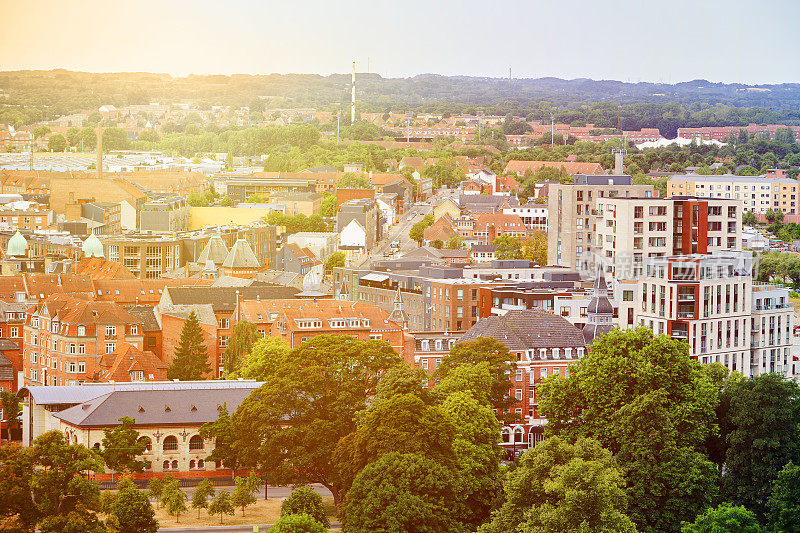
x=711 y=41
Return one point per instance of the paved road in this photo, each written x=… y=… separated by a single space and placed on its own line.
x=398 y=232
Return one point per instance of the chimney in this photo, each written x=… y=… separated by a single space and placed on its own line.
x=618 y=163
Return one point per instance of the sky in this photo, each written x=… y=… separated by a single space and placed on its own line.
x=647 y=40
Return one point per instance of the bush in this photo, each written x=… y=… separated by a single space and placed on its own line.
x=305 y=500
x=297 y=523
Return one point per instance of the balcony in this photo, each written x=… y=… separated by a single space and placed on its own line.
x=680 y=334
x=686 y=314
x=686 y=296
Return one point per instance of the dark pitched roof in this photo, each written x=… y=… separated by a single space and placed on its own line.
x=157 y=407
x=527 y=330
x=224 y=298
x=148 y=317
x=6 y=369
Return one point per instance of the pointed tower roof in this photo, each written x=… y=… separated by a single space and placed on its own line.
x=398 y=313
x=92 y=247
x=214 y=250
x=343 y=291
x=241 y=256
x=600 y=310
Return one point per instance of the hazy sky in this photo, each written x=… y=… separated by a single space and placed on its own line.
x=647 y=40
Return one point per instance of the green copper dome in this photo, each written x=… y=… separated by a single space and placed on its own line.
x=17 y=245
x=92 y=247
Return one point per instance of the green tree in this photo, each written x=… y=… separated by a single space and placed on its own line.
x=174 y=499
x=784 y=501
x=328 y=206
x=226 y=201
x=190 y=361
x=455 y=243
x=311 y=397
x=221 y=431
x=645 y=400
x=57 y=143
x=133 y=511
x=353 y=181
x=17 y=508
x=336 y=259
x=197 y=200
x=228 y=167
x=258 y=363
x=418 y=229
x=747 y=170
x=201 y=494
x=758 y=420
x=12 y=411
x=486 y=350
x=402 y=492
x=305 y=500
x=149 y=135
x=437 y=243
x=115 y=139
x=61 y=492
x=154 y=489
x=40 y=131
x=749 y=218
x=254 y=199
x=725 y=518
x=240 y=345
x=475 y=449
x=221 y=505
x=121 y=447
x=508 y=247
x=297 y=523
x=403 y=423
x=560 y=486
x=243 y=493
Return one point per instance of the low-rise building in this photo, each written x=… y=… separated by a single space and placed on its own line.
x=169 y=214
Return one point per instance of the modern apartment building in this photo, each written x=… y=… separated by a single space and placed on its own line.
x=570 y=232
x=758 y=193
x=710 y=302
x=165 y=215
x=630 y=230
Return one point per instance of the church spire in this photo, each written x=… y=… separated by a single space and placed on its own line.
x=600 y=310
x=398 y=313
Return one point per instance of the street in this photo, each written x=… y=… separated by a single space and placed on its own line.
x=398 y=232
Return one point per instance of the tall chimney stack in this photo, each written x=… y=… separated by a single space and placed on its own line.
x=353 y=97
x=99 y=151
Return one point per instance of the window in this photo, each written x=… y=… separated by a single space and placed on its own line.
x=519 y=374
x=224 y=323
x=223 y=341
x=425 y=364
x=518 y=394
x=165 y=465
x=110 y=347
x=170 y=444
x=375 y=336
x=111 y=331
x=196 y=443
x=134 y=329
x=137 y=375
x=174 y=464
x=81 y=367
x=14 y=331
x=81 y=331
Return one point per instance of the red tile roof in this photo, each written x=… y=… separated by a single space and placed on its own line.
x=127 y=358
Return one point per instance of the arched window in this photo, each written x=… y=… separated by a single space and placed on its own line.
x=506 y=434
x=165 y=466
x=201 y=463
x=149 y=444
x=171 y=443
x=519 y=435
x=175 y=465
x=195 y=443
x=96 y=446
x=191 y=464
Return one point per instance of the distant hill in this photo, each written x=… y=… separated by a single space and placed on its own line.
x=59 y=92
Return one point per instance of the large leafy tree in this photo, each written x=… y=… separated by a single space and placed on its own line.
x=644 y=399
x=16 y=504
x=190 y=361
x=289 y=427
x=560 y=486
x=12 y=411
x=784 y=502
x=402 y=492
x=486 y=350
x=61 y=494
x=759 y=425
x=476 y=451
x=402 y=423
x=257 y=363
x=305 y=500
x=221 y=430
x=121 y=447
x=725 y=518
x=240 y=345
x=133 y=511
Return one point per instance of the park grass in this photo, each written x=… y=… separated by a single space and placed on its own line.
x=261 y=512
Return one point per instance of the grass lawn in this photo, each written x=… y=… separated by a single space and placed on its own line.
x=261 y=512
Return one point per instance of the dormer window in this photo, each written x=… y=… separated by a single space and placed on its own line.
x=365 y=322
x=542 y=353
x=425 y=345
x=81 y=331
x=137 y=375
